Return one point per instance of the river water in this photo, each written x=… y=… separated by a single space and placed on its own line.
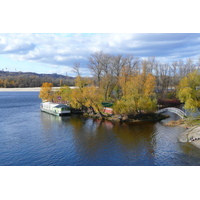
x=29 y=137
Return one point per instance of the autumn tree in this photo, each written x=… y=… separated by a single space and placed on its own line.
x=80 y=81
x=86 y=96
x=63 y=92
x=189 y=90
x=78 y=99
x=94 y=99
x=124 y=79
x=46 y=93
x=137 y=94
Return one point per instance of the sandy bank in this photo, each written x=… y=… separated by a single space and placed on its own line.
x=191 y=135
x=30 y=89
x=36 y=89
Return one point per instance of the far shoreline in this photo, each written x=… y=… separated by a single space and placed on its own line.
x=28 y=89
x=36 y=89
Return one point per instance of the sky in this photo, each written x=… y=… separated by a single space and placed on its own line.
x=57 y=52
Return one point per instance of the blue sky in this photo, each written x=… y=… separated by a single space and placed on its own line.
x=56 y=53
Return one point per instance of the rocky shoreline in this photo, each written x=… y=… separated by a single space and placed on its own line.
x=191 y=135
x=151 y=117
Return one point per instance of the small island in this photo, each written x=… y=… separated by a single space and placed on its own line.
x=128 y=97
x=123 y=93
x=122 y=89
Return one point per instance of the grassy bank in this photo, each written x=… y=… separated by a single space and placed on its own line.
x=186 y=122
x=192 y=121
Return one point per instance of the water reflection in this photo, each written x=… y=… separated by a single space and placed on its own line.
x=31 y=137
x=97 y=142
x=108 y=143
x=48 y=120
x=89 y=135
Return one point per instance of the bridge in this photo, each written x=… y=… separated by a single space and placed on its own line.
x=177 y=111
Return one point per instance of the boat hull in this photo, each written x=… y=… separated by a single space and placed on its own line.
x=64 y=113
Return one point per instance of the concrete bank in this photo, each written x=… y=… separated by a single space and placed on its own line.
x=191 y=135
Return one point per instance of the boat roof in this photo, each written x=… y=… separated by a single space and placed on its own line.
x=56 y=104
x=61 y=106
x=106 y=104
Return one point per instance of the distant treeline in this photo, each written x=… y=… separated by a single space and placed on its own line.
x=29 y=79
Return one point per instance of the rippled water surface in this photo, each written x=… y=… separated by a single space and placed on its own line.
x=30 y=137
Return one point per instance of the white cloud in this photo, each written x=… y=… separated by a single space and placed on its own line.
x=64 y=49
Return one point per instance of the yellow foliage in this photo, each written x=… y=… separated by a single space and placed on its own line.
x=94 y=97
x=77 y=98
x=82 y=82
x=188 y=91
x=124 y=107
x=64 y=92
x=90 y=96
x=149 y=85
x=46 y=93
x=124 y=80
x=107 y=85
x=137 y=93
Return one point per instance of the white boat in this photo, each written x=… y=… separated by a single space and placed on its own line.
x=55 y=109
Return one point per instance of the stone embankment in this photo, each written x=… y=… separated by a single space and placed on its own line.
x=191 y=135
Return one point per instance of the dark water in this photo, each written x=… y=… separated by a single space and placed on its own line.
x=30 y=137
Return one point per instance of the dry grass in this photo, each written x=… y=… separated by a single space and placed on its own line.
x=175 y=123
